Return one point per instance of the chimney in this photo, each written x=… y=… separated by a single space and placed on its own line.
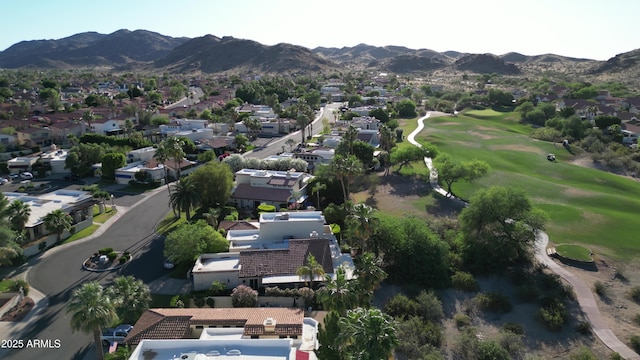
x=269 y=325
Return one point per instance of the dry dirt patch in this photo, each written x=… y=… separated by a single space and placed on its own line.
x=515 y=147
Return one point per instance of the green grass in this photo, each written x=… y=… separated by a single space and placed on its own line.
x=82 y=233
x=5 y=285
x=586 y=206
x=101 y=218
x=574 y=252
x=170 y=222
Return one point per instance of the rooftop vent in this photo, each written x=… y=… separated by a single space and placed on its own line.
x=313 y=235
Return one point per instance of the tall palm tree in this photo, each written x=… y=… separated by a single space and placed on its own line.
x=317 y=186
x=346 y=169
x=161 y=156
x=185 y=196
x=128 y=126
x=175 y=150
x=338 y=294
x=362 y=221
x=88 y=116
x=57 y=222
x=310 y=270
x=130 y=298
x=369 y=271
x=91 y=310
x=368 y=334
x=19 y=214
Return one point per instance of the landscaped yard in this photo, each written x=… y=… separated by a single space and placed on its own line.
x=82 y=233
x=574 y=252
x=585 y=205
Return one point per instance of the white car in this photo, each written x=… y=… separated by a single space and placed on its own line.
x=13 y=176
x=3 y=181
x=168 y=264
x=26 y=176
x=117 y=334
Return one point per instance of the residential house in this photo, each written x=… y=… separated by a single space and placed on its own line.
x=271 y=254
x=107 y=126
x=56 y=160
x=34 y=136
x=21 y=164
x=279 y=188
x=316 y=157
x=60 y=130
x=202 y=333
x=371 y=137
x=180 y=125
x=78 y=204
x=632 y=104
x=366 y=123
x=219 y=144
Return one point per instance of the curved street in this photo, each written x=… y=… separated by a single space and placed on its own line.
x=59 y=271
x=582 y=291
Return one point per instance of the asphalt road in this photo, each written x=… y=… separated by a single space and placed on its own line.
x=57 y=273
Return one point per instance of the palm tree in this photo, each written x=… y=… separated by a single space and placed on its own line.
x=173 y=149
x=130 y=298
x=290 y=142
x=362 y=223
x=368 y=334
x=185 y=196
x=311 y=269
x=91 y=310
x=338 y=294
x=161 y=156
x=88 y=116
x=19 y=214
x=317 y=186
x=369 y=271
x=57 y=222
x=346 y=169
x=128 y=126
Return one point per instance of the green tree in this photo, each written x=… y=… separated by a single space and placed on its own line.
x=188 y=241
x=406 y=108
x=57 y=222
x=450 y=171
x=19 y=214
x=369 y=271
x=380 y=114
x=174 y=148
x=328 y=337
x=368 y=334
x=215 y=182
x=404 y=156
x=346 y=169
x=338 y=294
x=311 y=269
x=130 y=297
x=499 y=228
x=363 y=151
x=110 y=163
x=88 y=116
x=244 y=296
x=91 y=310
x=185 y=196
x=361 y=223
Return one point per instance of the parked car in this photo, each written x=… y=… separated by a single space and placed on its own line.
x=168 y=264
x=117 y=334
x=3 y=181
x=26 y=176
x=13 y=176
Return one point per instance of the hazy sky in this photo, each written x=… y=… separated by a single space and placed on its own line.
x=579 y=28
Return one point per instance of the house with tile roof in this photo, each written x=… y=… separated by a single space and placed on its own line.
x=197 y=333
x=278 y=188
x=272 y=253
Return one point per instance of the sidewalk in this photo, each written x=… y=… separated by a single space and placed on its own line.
x=13 y=330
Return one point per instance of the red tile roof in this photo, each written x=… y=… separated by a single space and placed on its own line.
x=175 y=323
x=246 y=191
x=270 y=262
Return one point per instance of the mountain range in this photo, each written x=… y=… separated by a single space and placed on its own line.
x=149 y=51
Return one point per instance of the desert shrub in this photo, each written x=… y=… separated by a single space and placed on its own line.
x=105 y=251
x=217 y=287
x=416 y=333
x=112 y=255
x=462 y=320
x=199 y=301
x=615 y=356
x=16 y=285
x=491 y=350
x=464 y=281
x=553 y=315
x=512 y=343
x=493 y=302
x=211 y=302
x=582 y=353
x=401 y=306
x=635 y=294
x=513 y=327
x=599 y=288
x=244 y=296
x=584 y=328
x=636 y=319
x=429 y=306
x=634 y=341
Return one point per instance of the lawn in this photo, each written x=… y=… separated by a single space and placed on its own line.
x=82 y=233
x=101 y=218
x=574 y=252
x=585 y=205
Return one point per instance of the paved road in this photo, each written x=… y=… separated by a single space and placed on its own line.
x=59 y=271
